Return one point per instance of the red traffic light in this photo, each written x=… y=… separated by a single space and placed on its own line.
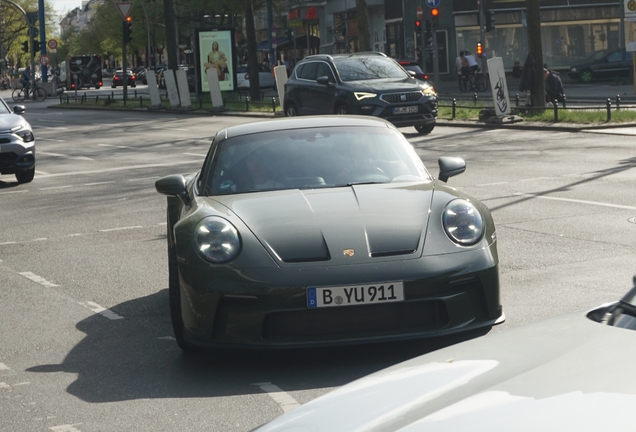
x=434 y=12
x=418 y=24
x=129 y=19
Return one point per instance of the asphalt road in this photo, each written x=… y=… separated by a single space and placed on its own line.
x=86 y=343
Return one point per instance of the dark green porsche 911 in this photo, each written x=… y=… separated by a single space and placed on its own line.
x=324 y=230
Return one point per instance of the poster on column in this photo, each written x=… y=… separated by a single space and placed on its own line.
x=214 y=50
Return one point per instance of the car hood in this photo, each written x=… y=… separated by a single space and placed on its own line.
x=10 y=121
x=388 y=85
x=379 y=221
x=566 y=374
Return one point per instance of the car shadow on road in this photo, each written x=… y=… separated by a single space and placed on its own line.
x=137 y=358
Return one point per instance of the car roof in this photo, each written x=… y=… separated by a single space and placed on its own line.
x=343 y=56
x=306 y=122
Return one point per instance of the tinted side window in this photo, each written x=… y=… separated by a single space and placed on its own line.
x=615 y=57
x=325 y=70
x=308 y=71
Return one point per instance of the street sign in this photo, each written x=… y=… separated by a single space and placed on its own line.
x=630 y=10
x=52 y=44
x=419 y=12
x=294 y=23
x=45 y=60
x=432 y=3
x=124 y=9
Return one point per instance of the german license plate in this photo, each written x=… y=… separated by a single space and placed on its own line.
x=405 y=110
x=350 y=295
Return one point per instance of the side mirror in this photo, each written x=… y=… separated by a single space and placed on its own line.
x=324 y=80
x=412 y=73
x=19 y=109
x=173 y=185
x=449 y=167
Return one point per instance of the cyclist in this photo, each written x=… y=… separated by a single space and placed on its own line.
x=25 y=79
x=472 y=63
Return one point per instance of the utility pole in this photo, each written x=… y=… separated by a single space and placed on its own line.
x=536 y=48
x=44 y=69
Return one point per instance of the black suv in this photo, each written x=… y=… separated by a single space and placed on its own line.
x=361 y=83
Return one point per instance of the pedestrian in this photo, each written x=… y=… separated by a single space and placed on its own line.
x=553 y=86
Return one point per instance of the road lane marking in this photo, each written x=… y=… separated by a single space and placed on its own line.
x=116 y=146
x=120 y=228
x=4 y=367
x=166 y=338
x=4 y=385
x=98 y=183
x=144 y=178
x=596 y=203
x=13 y=192
x=65 y=156
x=56 y=187
x=52 y=121
x=38 y=279
x=50 y=139
x=66 y=428
x=8 y=243
x=286 y=402
x=101 y=310
x=194 y=154
x=40 y=173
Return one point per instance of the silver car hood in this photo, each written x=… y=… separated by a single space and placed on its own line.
x=567 y=373
x=10 y=121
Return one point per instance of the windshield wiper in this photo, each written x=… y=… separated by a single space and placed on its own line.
x=365 y=183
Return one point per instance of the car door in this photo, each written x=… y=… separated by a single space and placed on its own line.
x=325 y=93
x=611 y=65
x=265 y=78
x=307 y=88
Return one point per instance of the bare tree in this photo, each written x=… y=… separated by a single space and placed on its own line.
x=536 y=48
x=364 y=43
x=252 y=60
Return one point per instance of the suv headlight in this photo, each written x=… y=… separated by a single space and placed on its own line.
x=217 y=240
x=462 y=222
x=429 y=91
x=363 y=95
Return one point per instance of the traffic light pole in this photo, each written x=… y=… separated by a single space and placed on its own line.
x=124 y=63
x=482 y=31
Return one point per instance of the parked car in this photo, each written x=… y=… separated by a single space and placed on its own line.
x=17 y=143
x=324 y=230
x=570 y=373
x=118 y=79
x=265 y=77
x=603 y=65
x=413 y=66
x=362 y=83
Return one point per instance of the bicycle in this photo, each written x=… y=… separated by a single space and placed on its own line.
x=475 y=81
x=19 y=94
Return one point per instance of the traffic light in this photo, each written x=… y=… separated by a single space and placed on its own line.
x=418 y=30
x=36 y=46
x=480 y=49
x=490 y=20
x=25 y=46
x=428 y=34
x=435 y=18
x=128 y=30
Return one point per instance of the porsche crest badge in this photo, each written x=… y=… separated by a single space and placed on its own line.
x=349 y=252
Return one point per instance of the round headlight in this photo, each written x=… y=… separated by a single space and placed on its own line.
x=217 y=240
x=462 y=222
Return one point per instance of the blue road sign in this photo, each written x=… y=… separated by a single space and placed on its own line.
x=432 y=3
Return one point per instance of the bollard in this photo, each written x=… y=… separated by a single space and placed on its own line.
x=247 y=103
x=112 y=95
x=556 y=111
x=96 y=98
x=67 y=99
x=618 y=102
x=141 y=101
x=60 y=99
x=609 y=110
x=274 y=105
x=517 y=100
x=135 y=92
x=564 y=101
x=454 y=109
x=200 y=102
x=475 y=97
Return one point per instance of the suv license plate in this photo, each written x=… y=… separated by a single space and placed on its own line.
x=349 y=295
x=405 y=110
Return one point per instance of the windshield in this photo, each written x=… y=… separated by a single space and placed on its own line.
x=312 y=158
x=368 y=68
